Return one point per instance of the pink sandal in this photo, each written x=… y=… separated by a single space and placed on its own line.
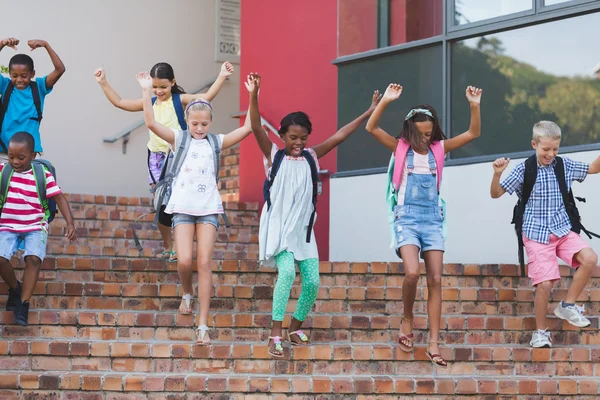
x=302 y=337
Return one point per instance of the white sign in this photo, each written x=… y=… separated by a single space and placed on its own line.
x=228 y=31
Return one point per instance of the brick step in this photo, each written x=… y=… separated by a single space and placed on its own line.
x=262 y=320
x=257 y=350
x=372 y=274
x=161 y=386
x=588 y=336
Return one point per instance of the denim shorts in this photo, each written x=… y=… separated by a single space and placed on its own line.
x=34 y=244
x=212 y=219
x=421 y=226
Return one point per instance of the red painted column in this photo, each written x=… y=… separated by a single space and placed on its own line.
x=291 y=44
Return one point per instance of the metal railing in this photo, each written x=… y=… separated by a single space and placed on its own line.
x=125 y=134
x=269 y=128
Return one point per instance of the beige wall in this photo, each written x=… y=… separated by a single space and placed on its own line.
x=479 y=229
x=123 y=37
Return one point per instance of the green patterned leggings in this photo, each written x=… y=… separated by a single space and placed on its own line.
x=309 y=270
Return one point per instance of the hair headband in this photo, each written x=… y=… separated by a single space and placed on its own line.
x=416 y=111
x=197 y=102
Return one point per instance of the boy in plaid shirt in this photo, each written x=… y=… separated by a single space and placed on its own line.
x=547 y=229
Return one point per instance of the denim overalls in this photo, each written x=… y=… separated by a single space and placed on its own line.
x=419 y=220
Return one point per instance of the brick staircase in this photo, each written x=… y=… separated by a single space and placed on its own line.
x=104 y=325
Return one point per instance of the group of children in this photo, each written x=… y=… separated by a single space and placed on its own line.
x=179 y=125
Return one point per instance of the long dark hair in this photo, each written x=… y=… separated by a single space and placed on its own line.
x=163 y=70
x=411 y=134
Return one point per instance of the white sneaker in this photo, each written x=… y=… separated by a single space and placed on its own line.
x=541 y=339
x=572 y=314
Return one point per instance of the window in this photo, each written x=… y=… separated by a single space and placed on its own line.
x=357 y=26
x=415 y=19
x=469 y=11
x=418 y=71
x=529 y=74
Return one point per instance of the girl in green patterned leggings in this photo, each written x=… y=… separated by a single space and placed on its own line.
x=286 y=236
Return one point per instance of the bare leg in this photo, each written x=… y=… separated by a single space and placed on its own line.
x=434 y=266
x=30 y=278
x=540 y=303
x=185 y=238
x=206 y=236
x=410 y=258
x=588 y=260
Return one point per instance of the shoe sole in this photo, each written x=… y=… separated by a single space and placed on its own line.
x=557 y=313
x=546 y=346
x=21 y=322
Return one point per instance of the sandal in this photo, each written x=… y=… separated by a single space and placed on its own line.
x=172 y=256
x=278 y=353
x=165 y=255
x=188 y=303
x=202 y=331
x=436 y=358
x=405 y=342
x=302 y=337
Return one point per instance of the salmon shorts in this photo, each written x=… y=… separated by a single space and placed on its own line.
x=542 y=259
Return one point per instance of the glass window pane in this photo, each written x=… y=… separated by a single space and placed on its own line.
x=419 y=71
x=415 y=19
x=469 y=11
x=527 y=75
x=553 y=2
x=357 y=26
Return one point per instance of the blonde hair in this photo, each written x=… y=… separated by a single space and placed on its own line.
x=199 y=105
x=546 y=129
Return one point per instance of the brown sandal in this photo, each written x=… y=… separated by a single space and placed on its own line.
x=436 y=358
x=405 y=342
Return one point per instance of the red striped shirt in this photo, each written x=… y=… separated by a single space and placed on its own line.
x=22 y=211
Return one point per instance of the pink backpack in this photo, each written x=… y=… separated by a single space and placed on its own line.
x=400 y=156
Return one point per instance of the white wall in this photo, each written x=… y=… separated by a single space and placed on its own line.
x=479 y=229
x=123 y=37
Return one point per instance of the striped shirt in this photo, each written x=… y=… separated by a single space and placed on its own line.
x=22 y=211
x=545 y=212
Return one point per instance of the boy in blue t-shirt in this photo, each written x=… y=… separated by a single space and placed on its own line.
x=21 y=113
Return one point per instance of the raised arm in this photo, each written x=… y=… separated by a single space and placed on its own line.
x=499 y=166
x=113 y=97
x=392 y=93
x=253 y=84
x=59 y=67
x=474 y=97
x=9 y=42
x=226 y=71
x=325 y=147
x=262 y=138
x=159 y=129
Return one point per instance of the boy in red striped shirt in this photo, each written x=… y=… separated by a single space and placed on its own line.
x=23 y=219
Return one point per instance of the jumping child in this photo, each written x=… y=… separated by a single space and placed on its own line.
x=418 y=221
x=195 y=202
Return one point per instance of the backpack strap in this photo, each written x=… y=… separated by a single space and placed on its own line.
x=179 y=110
x=440 y=157
x=529 y=178
x=213 y=140
x=269 y=181
x=400 y=156
x=35 y=93
x=4 y=109
x=5 y=176
x=314 y=173
x=39 y=174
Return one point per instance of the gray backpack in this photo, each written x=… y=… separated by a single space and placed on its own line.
x=162 y=192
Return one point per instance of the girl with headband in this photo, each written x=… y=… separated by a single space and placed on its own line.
x=414 y=198
x=168 y=103
x=195 y=202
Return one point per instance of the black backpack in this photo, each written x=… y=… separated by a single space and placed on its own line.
x=530 y=176
x=315 y=181
x=35 y=93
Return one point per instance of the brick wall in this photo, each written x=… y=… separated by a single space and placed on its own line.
x=229 y=177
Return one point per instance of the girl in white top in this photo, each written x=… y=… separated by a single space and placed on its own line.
x=284 y=225
x=195 y=201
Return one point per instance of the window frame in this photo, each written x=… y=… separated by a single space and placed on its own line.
x=541 y=14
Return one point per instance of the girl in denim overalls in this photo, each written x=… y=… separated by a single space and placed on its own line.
x=418 y=218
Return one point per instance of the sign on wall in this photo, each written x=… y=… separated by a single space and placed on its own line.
x=228 y=31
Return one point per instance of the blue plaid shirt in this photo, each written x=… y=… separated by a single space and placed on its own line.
x=545 y=212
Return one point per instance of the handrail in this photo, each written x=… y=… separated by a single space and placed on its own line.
x=124 y=135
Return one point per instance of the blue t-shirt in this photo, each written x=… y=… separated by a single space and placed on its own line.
x=20 y=109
